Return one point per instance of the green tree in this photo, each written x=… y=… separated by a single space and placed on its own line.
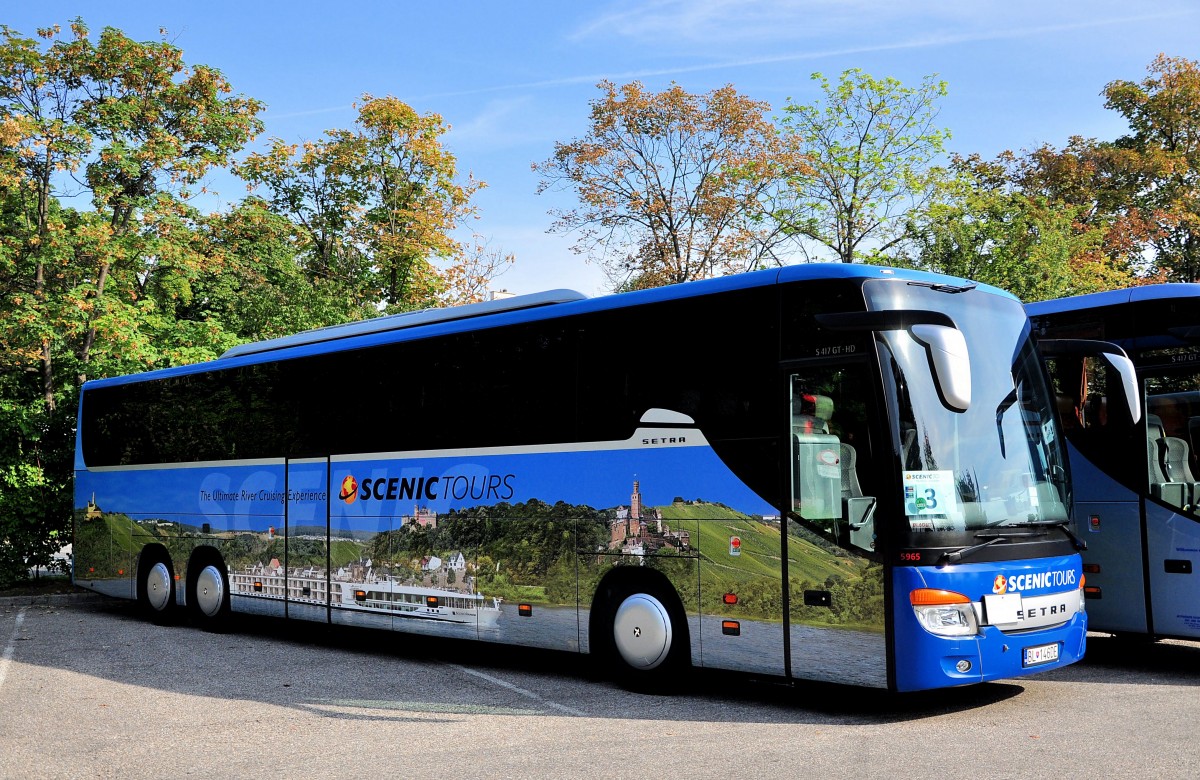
x=377 y=206
x=872 y=145
x=92 y=293
x=987 y=228
x=1163 y=111
x=671 y=185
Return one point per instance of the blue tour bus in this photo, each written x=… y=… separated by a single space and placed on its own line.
x=1135 y=480
x=825 y=472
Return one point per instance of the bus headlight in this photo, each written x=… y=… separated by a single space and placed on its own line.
x=944 y=612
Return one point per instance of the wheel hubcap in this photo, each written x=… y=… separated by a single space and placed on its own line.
x=210 y=591
x=642 y=631
x=158 y=587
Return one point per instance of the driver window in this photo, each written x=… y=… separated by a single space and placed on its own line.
x=832 y=474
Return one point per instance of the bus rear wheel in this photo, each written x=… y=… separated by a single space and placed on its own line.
x=208 y=595
x=156 y=590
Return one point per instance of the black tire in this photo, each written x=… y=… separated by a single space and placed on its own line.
x=208 y=593
x=156 y=588
x=641 y=636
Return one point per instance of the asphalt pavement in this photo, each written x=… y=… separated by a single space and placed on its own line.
x=92 y=690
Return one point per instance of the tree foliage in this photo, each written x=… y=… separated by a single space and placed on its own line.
x=130 y=125
x=377 y=207
x=357 y=224
x=988 y=228
x=872 y=144
x=671 y=185
x=1163 y=112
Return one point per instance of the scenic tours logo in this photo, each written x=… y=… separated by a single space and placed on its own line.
x=349 y=489
x=1036 y=581
x=479 y=487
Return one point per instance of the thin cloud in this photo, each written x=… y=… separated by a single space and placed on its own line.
x=924 y=42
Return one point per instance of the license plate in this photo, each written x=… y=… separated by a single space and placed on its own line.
x=1041 y=654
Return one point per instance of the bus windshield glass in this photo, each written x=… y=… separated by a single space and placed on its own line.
x=999 y=463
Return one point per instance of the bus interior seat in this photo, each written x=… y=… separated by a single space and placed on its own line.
x=1161 y=487
x=859 y=510
x=1194 y=433
x=1050 y=503
x=1174 y=453
x=857 y=506
x=813 y=415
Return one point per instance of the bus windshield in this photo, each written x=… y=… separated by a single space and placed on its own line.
x=1000 y=463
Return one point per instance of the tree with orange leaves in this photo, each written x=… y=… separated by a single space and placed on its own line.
x=672 y=186
x=378 y=204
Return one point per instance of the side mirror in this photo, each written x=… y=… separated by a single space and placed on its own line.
x=949 y=361
x=1110 y=353
x=1129 y=384
x=945 y=345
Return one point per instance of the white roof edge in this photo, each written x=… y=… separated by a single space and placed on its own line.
x=410 y=319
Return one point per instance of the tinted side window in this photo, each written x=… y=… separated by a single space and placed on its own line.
x=506 y=386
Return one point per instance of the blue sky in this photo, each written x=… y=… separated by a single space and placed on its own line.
x=511 y=78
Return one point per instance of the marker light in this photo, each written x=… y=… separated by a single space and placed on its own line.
x=525 y=610
x=730 y=598
x=944 y=612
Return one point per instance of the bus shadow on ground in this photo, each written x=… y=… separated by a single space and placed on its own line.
x=1138 y=659
x=347 y=672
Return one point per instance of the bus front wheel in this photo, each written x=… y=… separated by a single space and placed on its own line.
x=645 y=641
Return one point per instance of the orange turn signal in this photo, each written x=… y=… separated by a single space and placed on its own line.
x=926 y=597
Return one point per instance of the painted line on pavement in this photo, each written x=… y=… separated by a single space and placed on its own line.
x=520 y=690
x=7 y=655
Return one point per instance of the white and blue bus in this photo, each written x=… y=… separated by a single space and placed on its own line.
x=826 y=472
x=1136 y=480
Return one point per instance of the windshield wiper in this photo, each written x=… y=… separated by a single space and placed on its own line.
x=943 y=287
x=1063 y=524
x=958 y=555
x=993 y=537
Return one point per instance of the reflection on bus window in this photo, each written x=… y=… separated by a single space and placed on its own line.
x=997 y=464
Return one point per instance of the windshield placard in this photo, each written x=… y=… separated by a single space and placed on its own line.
x=931 y=502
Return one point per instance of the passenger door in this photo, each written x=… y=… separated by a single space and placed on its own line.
x=836 y=614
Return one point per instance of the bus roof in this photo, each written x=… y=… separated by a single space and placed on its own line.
x=524 y=308
x=1149 y=292
x=409 y=319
